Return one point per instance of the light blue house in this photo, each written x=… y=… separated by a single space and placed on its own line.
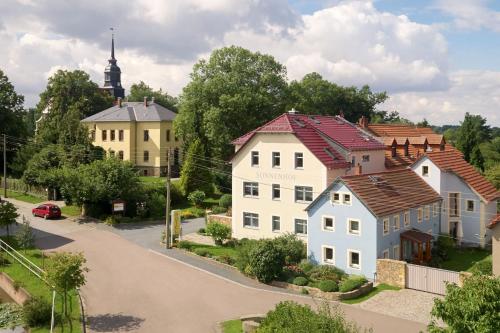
x=358 y=219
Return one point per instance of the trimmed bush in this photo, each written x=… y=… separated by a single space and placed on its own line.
x=351 y=283
x=326 y=272
x=219 y=232
x=266 y=261
x=202 y=231
x=328 y=286
x=300 y=281
x=245 y=247
x=218 y=210
x=226 y=201
x=306 y=266
x=293 y=248
x=201 y=252
x=184 y=245
x=196 y=198
x=226 y=259
x=37 y=312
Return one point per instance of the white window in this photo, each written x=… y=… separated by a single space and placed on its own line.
x=397 y=224
x=427 y=212
x=328 y=223
x=250 y=220
x=303 y=193
x=301 y=226
x=395 y=252
x=346 y=199
x=366 y=158
x=470 y=205
x=406 y=218
x=335 y=197
x=255 y=158
x=276 y=192
x=353 y=227
x=386 y=226
x=420 y=213
x=299 y=160
x=435 y=209
x=276 y=223
x=354 y=259
x=425 y=170
x=276 y=160
x=328 y=255
x=250 y=189
x=385 y=254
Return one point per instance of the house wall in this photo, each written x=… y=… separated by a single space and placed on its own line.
x=126 y=145
x=313 y=174
x=365 y=242
x=376 y=163
x=496 y=250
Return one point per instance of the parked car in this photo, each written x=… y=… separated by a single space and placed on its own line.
x=47 y=210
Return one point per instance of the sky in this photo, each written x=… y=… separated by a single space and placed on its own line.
x=437 y=59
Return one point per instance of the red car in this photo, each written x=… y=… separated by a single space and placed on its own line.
x=47 y=210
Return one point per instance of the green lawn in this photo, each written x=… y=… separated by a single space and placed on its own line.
x=36 y=287
x=215 y=251
x=232 y=326
x=373 y=292
x=462 y=259
x=70 y=210
x=23 y=197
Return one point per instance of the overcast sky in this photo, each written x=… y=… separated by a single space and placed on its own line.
x=436 y=60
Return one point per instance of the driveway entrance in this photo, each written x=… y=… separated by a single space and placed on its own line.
x=429 y=279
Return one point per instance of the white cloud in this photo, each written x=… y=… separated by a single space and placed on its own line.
x=471 y=14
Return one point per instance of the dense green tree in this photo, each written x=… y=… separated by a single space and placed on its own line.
x=474 y=307
x=315 y=95
x=43 y=168
x=231 y=93
x=25 y=236
x=493 y=175
x=140 y=90
x=423 y=123
x=385 y=117
x=69 y=97
x=11 y=109
x=8 y=215
x=491 y=152
x=195 y=172
x=477 y=159
x=450 y=135
x=472 y=132
x=29 y=120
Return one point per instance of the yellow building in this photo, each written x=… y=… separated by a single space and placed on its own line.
x=141 y=132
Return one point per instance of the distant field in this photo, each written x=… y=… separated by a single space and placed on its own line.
x=23 y=197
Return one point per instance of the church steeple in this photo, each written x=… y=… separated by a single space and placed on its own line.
x=112 y=74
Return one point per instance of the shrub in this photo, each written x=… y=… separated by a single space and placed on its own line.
x=196 y=212
x=201 y=252
x=306 y=266
x=196 y=198
x=218 y=210
x=111 y=220
x=201 y=231
x=37 y=312
x=226 y=259
x=245 y=248
x=156 y=204
x=266 y=261
x=219 y=232
x=293 y=248
x=225 y=201
x=326 y=272
x=351 y=283
x=11 y=315
x=300 y=281
x=304 y=291
x=484 y=267
x=328 y=286
x=185 y=245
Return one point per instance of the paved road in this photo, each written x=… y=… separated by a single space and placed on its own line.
x=133 y=289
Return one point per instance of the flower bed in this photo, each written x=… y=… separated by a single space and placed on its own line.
x=332 y=296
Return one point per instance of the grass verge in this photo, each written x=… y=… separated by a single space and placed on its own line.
x=70 y=210
x=232 y=326
x=463 y=259
x=24 y=197
x=373 y=292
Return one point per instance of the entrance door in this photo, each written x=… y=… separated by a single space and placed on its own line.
x=453 y=229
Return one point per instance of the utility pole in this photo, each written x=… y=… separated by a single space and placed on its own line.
x=168 y=230
x=4 y=166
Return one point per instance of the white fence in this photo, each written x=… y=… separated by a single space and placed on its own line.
x=429 y=279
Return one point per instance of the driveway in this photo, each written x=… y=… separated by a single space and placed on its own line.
x=131 y=288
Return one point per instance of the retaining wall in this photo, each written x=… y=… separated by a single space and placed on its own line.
x=332 y=296
x=8 y=285
x=392 y=272
x=224 y=219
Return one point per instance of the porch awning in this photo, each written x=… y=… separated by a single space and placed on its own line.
x=416 y=236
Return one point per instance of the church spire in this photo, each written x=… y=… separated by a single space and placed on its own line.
x=112 y=73
x=112 y=44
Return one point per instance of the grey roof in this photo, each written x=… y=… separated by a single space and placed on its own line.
x=133 y=111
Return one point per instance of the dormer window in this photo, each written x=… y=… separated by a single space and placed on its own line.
x=393 y=151
x=407 y=153
x=425 y=170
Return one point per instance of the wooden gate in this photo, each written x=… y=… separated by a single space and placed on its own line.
x=429 y=279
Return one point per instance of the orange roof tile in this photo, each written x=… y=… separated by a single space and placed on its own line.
x=495 y=221
x=452 y=161
x=398 y=130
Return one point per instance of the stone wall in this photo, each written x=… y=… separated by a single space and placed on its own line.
x=219 y=218
x=8 y=285
x=392 y=272
x=332 y=296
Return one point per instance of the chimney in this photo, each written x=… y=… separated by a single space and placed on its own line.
x=292 y=111
x=341 y=114
x=119 y=102
x=145 y=101
x=358 y=170
x=363 y=122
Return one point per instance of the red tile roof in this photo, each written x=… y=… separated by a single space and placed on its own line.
x=417 y=236
x=320 y=134
x=494 y=221
x=399 y=130
x=452 y=161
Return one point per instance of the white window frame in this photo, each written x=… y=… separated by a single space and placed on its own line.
x=396 y=252
x=273 y=157
x=272 y=223
x=467 y=205
x=295 y=157
x=323 y=226
x=427 y=212
x=332 y=198
x=251 y=158
x=252 y=195
x=388 y=254
x=349 y=230
x=407 y=221
x=420 y=214
x=384 y=221
x=323 y=256
x=304 y=191
x=347 y=203
x=349 y=263
x=435 y=209
x=272 y=192
x=398 y=219
x=295 y=227
x=253 y=217
x=428 y=171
